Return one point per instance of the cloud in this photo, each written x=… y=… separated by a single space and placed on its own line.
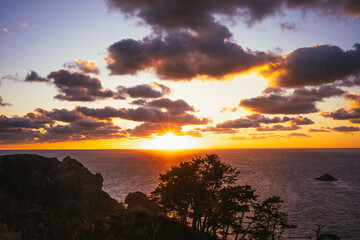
x=278 y=128
x=85 y=129
x=346 y=129
x=19 y=122
x=175 y=116
x=174 y=107
x=314 y=66
x=189 y=43
x=62 y=115
x=142 y=91
x=297 y=135
x=18 y=135
x=3 y=104
x=228 y=109
x=302 y=100
x=149 y=129
x=139 y=102
x=355 y=121
x=352 y=114
x=195 y=14
x=256 y=121
x=83 y=123
x=238 y=123
x=343 y=114
x=77 y=86
x=184 y=55
x=217 y=130
x=83 y=66
x=318 y=130
x=42 y=126
x=349 y=82
x=14 y=77
x=251 y=121
x=301 y=121
x=289 y=26
x=35 y=77
x=353 y=99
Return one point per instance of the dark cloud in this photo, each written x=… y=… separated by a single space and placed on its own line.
x=145 y=114
x=352 y=114
x=183 y=55
x=3 y=104
x=238 y=123
x=301 y=121
x=142 y=91
x=19 y=122
x=174 y=107
x=353 y=99
x=251 y=121
x=275 y=90
x=102 y=113
x=346 y=129
x=278 y=128
x=256 y=121
x=195 y=14
x=38 y=128
x=35 y=77
x=18 y=135
x=314 y=66
x=149 y=129
x=349 y=82
x=83 y=66
x=188 y=42
x=62 y=115
x=297 y=135
x=76 y=86
x=139 y=102
x=85 y=129
x=319 y=130
x=343 y=114
x=355 y=121
x=302 y=100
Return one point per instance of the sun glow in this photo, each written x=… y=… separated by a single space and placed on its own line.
x=169 y=141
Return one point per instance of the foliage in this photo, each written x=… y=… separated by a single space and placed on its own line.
x=203 y=193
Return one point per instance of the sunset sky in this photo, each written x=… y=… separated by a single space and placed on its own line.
x=179 y=74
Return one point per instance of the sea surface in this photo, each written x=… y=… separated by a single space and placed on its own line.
x=288 y=173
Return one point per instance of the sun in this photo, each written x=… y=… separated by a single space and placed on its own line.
x=169 y=141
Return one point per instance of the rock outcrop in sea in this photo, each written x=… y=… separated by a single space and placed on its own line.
x=326 y=177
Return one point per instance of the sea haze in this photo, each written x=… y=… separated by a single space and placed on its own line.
x=288 y=173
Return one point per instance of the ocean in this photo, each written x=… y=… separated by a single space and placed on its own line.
x=288 y=173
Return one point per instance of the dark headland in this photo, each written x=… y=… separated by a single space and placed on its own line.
x=43 y=198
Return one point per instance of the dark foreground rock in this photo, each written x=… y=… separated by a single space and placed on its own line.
x=326 y=177
x=43 y=198
x=139 y=202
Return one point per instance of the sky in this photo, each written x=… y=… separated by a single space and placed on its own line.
x=179 y=74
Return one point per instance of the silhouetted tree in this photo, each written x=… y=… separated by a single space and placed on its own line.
x=203 y=192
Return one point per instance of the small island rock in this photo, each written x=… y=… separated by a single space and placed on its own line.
x=326 y=177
